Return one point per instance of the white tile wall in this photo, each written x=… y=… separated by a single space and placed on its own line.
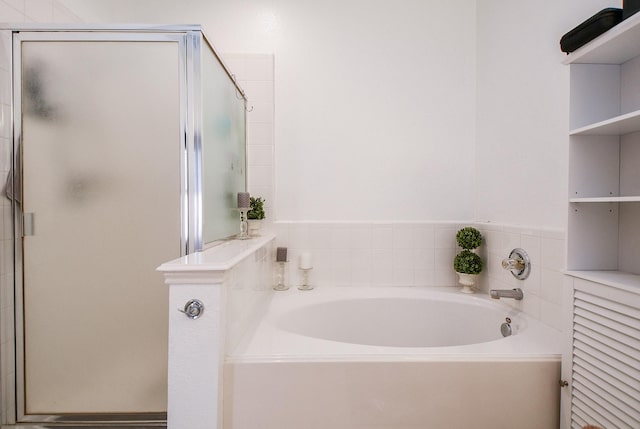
x=421 y=254
x=255 y=75
x=249 y=285
x=543 y=290
x=14 y=12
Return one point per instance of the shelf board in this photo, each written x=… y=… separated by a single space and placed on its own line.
x=617 y=279
x=631 y=199
x=618 y=126
x=616 y=46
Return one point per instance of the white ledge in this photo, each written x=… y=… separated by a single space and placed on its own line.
x=218 y=258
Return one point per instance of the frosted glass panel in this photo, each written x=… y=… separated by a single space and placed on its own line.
x=101 y=165
x=223 y=150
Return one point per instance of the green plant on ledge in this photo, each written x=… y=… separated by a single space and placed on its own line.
x=256 y=208
x=467 y=262
x=469 y=238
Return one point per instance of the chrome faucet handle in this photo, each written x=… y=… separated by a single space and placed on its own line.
x=518 y=263
x=512 y=264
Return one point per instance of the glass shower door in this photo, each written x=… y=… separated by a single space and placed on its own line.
x=101 y=197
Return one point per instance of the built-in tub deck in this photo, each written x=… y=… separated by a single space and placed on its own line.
x=291 y=372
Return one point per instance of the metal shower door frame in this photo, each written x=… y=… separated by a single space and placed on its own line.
x=188 y=39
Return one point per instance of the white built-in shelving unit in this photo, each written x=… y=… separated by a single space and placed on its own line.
x=604 y=159
x=601 y=361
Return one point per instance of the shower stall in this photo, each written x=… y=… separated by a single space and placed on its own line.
x=126 y=149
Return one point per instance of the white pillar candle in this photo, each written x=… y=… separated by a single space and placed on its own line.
x=306 y=262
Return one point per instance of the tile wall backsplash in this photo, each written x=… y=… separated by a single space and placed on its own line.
x=421 y=254
x=544 y=288
x=255 y=75
x=248 y=287
x=14 y=12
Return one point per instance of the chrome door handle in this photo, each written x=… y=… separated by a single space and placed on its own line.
x=193 y=309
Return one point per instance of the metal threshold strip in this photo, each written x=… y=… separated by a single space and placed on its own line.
x=88 y=421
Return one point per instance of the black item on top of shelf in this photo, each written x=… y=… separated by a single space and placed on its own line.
x=590 y=29
x=629 y=7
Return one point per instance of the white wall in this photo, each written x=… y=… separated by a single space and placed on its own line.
x=523 y=109
x=374 y=105
x=375 y=111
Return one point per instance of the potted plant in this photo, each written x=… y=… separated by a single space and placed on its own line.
x=255 y=215
x=467 y=263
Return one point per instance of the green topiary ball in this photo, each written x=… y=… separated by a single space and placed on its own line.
x=469 y=238
x=467 y=262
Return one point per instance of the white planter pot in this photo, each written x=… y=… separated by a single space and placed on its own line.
x=467 y=281
x=254 y=227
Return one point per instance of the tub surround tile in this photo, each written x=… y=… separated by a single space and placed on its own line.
x=260 y=111
x=445 y=278
x=339 y=236
x=424 y=258
x=341 y=267
x=260 y=90
x=532 y=284
x=424 y=276
x=254 y=74
x=551 y=314
x=361 y=265
x=424 y=237
x=421 y=254
x=403 y=236
x=532 y=244
x=382 y=237
x=551 y=286
x=382 y=272
x=320 y=237
x=445 y=237
x=260 y=155
x=260 y=134
x=360 y=237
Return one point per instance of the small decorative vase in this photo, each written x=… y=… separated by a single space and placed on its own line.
x=254 y=227
x=467 y=281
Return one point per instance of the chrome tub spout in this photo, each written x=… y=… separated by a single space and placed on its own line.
x=506 y=293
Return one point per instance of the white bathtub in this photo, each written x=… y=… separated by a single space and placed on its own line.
x=392 y=358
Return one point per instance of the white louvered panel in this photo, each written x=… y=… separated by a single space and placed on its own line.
x=594 y=352
x=604 y=302
x=618 y=322
x=597 y=413
x=622 y=404
x=607 y=317
x=606 y=357
x=578 y=421
x=607 y=332
x=621 y=343
x=608 y=376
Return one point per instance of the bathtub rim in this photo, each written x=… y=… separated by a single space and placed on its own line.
x=538 y=342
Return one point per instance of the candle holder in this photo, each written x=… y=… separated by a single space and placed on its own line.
x=243 y=205
x=305 y=264
x=280 y=277
x=305 y=280
x=244 y=225
x=281 y=260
